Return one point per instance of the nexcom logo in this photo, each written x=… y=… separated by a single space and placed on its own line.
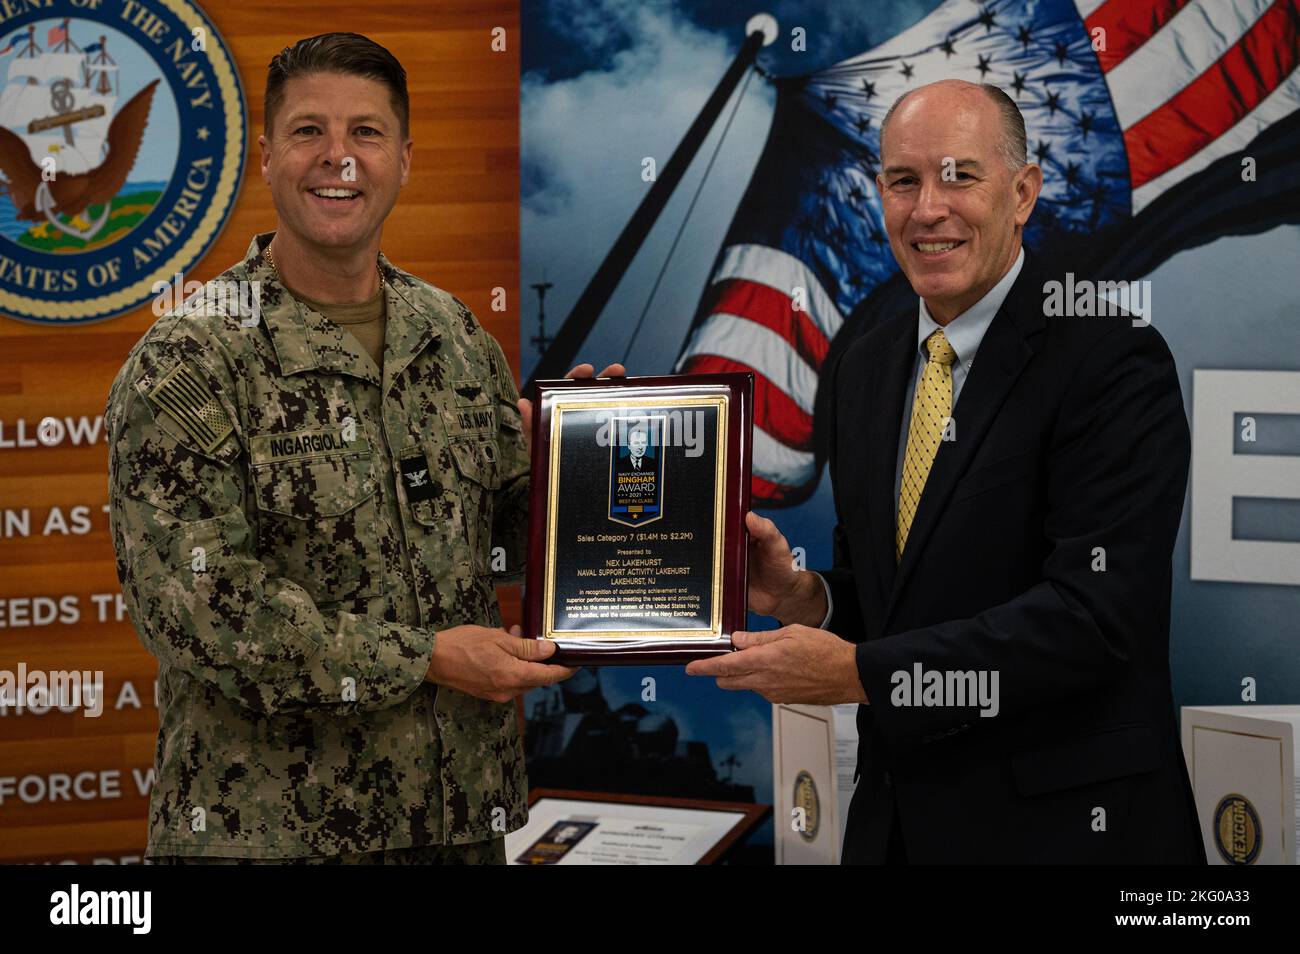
x=102 y=907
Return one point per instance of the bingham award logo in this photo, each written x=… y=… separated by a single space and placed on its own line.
x=122 y=137
x=636 y=471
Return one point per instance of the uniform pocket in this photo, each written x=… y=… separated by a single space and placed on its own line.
x=479 y=473
x=471 y=414
x=317 y=524
x=476 y=461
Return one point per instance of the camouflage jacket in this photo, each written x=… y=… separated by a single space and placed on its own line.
x=291 y=531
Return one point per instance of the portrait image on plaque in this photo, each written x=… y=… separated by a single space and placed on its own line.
x=636 y=477
x=557 y=842
x=637 y=540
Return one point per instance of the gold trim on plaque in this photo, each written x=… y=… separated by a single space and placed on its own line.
x=559 y=405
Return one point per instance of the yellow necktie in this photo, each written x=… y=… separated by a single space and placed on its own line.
x=930 y=412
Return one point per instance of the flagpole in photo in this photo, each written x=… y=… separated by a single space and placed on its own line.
x=760 y=31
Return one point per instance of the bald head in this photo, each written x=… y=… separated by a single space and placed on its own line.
x=956 y=190
x=1013 y=144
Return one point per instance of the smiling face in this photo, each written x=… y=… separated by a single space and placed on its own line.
x=953 y=235
x=325 y=120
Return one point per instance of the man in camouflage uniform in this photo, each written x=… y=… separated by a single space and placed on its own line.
x=309 y=520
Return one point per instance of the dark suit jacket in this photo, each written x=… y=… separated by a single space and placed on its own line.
x=623 y=465
x=1070 y=436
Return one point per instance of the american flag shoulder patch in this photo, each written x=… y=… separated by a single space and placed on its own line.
x=184 y=395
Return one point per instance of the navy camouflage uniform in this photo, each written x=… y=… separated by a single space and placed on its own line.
x=292 y=528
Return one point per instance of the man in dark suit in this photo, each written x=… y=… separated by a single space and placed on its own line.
x=999 y=603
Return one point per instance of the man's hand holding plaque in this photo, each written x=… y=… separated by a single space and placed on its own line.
x=491 y=663
x=776 y=587
x=800 y=662
x=494 y=664
x=581 y=371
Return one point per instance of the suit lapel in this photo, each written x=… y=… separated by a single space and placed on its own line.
x=1001 y=358
x=897 y=364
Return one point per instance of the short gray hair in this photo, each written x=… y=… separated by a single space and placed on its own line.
x=1014 y=145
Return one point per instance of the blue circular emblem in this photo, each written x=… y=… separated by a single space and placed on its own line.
x=123 y=131
x=1237 y=831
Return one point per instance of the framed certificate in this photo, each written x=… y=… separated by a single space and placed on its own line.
x=600 y=828
x=640 y=486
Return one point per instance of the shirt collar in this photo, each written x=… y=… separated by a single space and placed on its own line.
x=966 y=331
x=306 y=340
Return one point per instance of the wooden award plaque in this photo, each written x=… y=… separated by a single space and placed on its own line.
x=638 y=546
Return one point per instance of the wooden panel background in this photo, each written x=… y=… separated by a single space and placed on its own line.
x=456 y=224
